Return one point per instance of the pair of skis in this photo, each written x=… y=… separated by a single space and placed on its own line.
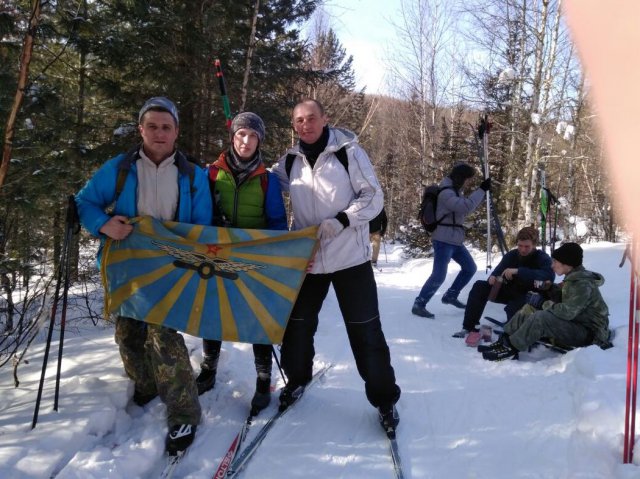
x=171 y=465
x=233 y=462
x=236 y=457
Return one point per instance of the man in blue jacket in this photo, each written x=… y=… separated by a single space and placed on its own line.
x=519 y=271
x=157 y=180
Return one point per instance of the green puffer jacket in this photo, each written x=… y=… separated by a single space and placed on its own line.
x=583 y=303
x=242 y=206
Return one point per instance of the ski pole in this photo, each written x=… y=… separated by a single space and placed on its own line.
x=502 y=243
x=555 y=218
x=275 y=356
x=483 y=131
x=544 y=201
x=54 y=308
x=634 y=365
x=223 y=92
x=72 y=226
x=632 y=355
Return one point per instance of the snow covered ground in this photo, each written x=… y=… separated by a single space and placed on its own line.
x=545 y=416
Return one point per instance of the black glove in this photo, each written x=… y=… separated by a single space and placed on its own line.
x=486 y=184
x=535 y=299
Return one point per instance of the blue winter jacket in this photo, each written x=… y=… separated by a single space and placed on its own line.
x=194 y=202
x=533 y=267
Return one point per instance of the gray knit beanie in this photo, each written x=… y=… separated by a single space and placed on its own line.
x=159 y=103
x=248 y=120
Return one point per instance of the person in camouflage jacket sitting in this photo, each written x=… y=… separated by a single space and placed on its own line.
x=579 y=318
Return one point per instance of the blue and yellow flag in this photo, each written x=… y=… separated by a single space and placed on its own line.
x=216 y=283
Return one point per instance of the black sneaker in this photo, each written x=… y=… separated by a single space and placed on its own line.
x=262 y=396
x=483 y=348
x=179 y=438
x=142 y=399
x=389 y=419
x=449 y=299
x=419 y=310
x=501 y=352
x=206 y=380
x=289 y=394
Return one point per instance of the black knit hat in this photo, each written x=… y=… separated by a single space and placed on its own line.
x=460 y=172
x=569 y=254
x=248 y=120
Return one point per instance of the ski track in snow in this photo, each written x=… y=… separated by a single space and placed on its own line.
x=545 y=416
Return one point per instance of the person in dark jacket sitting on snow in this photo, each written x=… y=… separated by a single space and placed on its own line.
x=580 y=318
x=510 y=281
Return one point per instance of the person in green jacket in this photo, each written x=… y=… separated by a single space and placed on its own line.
x=246 y=195
x=577 y=315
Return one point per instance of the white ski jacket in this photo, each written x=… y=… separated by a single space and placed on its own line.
x=326 y=190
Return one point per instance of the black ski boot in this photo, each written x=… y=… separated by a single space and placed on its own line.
x=262 y=396
x=206 y=380
x=389 y=419
x=289 y=394
x=179 y=438
x=502 y=351
x=207 y=377
x=483 y=348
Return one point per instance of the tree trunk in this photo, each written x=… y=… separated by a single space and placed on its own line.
x=25 y=60
x=528 y=193
x=252 y=45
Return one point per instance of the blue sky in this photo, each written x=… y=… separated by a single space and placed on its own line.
x=364 y=30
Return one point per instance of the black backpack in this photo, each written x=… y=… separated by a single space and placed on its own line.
x=428 y=208
x=379 y=223
x=341 y=154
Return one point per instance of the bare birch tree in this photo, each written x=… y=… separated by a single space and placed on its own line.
x=422 y=65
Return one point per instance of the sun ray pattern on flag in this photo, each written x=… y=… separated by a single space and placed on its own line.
x=229 y=284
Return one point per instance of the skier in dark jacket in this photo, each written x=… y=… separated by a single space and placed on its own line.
x=580 y=318
x=448 y=238
x=517 y=273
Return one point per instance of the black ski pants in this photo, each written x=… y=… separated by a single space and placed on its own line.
x=357 y=296
x=513 y=298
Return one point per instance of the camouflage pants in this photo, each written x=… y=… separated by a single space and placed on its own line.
x=157 y=360
x=529 y=325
